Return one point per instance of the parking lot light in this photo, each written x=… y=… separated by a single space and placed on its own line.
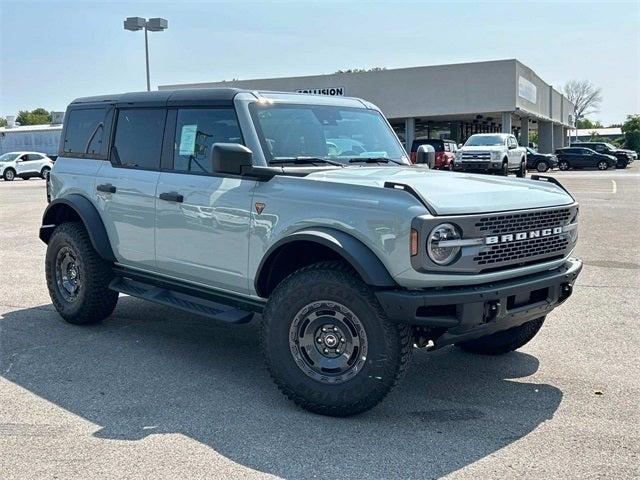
x=134 y=24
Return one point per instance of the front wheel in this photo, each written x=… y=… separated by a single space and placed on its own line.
x=77 y=277
x=44 y=173
x=505 y=341
x=542 y=166
x=522 y=171
x=505 y=169
x=563 y=165
x=602 y=165
x=327 y=342
x=9 y=175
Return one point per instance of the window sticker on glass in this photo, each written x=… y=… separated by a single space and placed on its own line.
x=188 y=139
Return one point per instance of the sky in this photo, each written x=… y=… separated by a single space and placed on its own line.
x=54 y=51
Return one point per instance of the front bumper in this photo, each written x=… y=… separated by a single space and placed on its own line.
x=466 y=313
x=480 y=166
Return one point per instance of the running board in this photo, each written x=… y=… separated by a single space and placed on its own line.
x=183 y=301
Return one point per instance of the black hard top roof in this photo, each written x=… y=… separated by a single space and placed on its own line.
x=161 y=98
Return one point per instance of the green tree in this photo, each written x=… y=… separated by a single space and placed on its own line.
x=39 y=116
x=588 y=124
x=361 y=70
x=631 y=130
x=3 y=122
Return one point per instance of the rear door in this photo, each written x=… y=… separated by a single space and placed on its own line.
x=126 y=185
x=203 y=218
x=36 y=162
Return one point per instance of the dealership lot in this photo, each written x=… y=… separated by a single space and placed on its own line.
x=153 y=392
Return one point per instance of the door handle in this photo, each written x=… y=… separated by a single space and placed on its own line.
x=106 y=187
x=171 y=197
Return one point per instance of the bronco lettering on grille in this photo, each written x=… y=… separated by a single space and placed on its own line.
x=514 y=237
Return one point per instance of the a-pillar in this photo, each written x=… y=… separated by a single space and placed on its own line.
x=409 y=133
x=545 y=136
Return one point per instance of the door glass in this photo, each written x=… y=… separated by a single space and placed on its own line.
x=197 y=130
x=138 y=140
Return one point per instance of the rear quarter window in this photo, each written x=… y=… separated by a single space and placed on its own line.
x=84 y=131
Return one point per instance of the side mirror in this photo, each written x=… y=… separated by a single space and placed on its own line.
x=231 y=158
x=459 y=145
x=426 y=154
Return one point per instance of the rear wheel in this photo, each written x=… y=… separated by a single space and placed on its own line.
x=563 y=165
x=327 y=343
x=603 y=165
x=542 y=166
x=9 y=174
x=505 y=341
x=77 y=277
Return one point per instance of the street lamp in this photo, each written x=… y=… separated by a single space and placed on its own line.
x=134 y=24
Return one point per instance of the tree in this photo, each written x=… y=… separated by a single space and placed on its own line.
x=631 y=130
x=3 y=122
x=361 y=70
x=588 y=124
x=39 y=116
x=584 y=96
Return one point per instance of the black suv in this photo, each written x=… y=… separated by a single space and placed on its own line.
x=573 y=157
x=623 y=158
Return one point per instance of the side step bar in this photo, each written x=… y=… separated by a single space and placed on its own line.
x=192 y=302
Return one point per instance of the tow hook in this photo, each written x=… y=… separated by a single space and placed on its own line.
x=565 y=291
x=493 y=308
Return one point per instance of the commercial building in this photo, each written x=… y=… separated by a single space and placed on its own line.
x=444 y=101
x=38 y=138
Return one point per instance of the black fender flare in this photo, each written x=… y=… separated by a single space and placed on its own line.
x=88 y=214
x=357 y=254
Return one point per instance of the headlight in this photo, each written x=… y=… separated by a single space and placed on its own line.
x=438 y=252
x=495 y=155
x=458 y=155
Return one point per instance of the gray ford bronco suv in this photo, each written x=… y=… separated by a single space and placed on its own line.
x=305 y=209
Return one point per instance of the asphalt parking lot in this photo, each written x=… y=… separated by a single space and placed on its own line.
x=154 y=393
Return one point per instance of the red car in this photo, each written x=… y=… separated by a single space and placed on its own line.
x=445 y=151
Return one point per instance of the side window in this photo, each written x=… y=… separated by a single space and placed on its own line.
x=84 y=130
x=138 y=139
x=197 y=129
x=34 y=156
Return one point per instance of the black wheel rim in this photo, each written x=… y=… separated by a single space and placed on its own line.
x=328 y=342
x=67 y=274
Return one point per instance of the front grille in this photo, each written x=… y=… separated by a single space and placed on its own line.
x=522 y=251
x=476 y=156
x=522 y=222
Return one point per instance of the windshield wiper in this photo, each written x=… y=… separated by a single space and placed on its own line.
x=305 y=160
x=374 y=160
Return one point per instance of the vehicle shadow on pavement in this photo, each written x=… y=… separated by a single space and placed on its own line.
x=150 y=370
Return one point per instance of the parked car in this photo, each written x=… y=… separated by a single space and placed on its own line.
x=24 y=165
x=492 y=153
x=351 y=260
x=573 y=157
x=445 y=151
x=623 y=158
x=541 y=161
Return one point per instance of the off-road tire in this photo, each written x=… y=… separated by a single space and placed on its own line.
x=542 y=166
x=389 y=345
x=504 y=342
x=564 y=165
x=522 y=171
x=9 y=175
x=94 y=301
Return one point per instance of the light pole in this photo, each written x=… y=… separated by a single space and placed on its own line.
x=134 y=24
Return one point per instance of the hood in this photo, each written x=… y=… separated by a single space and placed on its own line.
x=452 y=193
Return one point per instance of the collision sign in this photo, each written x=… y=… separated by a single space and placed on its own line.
x=331 y=91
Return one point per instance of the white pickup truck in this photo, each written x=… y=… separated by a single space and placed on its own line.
x=492 y=153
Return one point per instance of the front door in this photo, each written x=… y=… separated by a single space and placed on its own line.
x=126 y=186
x=203 y=219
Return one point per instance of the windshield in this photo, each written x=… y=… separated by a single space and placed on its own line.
x=8 y=157
x=338 y=134
x=484 y=141
x=610 y=147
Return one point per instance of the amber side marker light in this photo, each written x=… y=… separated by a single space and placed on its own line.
x=414 y=242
